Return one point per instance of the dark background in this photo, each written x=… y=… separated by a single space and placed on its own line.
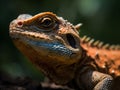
x=100 y=18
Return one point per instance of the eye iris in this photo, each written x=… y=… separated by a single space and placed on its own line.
x=46 y=22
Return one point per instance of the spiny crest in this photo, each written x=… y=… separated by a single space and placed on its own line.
x=99 y=44
x=77 y=27
x=65 y=21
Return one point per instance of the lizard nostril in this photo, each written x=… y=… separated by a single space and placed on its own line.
x=19 y=23
x=71 y=40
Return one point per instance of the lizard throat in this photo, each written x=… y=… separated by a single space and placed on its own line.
x=53 y=47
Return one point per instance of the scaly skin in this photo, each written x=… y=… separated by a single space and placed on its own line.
x=53 y=45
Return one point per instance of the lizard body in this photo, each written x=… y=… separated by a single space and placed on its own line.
x=53 y=45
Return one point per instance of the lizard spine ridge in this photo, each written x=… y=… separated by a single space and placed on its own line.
x=99 y=44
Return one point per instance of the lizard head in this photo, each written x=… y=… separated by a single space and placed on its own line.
x=50 y=42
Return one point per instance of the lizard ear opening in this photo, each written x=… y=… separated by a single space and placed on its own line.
x=71 y=40
x=78 y=26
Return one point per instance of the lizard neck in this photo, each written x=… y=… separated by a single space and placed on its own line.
x=86 y=62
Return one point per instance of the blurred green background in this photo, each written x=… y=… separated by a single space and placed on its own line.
x=100 y=18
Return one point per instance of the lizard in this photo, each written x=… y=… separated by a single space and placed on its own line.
x=56 y=48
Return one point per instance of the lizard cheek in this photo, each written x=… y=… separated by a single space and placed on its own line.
x=71 y=40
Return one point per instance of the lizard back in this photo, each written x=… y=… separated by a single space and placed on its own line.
x=106 y=57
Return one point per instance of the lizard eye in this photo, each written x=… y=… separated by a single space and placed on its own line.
x=46 y=23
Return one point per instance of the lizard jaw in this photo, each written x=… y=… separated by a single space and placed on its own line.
x=52 y=48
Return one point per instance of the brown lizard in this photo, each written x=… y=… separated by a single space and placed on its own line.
x=53 y=45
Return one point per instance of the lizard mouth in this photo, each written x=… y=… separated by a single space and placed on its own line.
x=71 y=40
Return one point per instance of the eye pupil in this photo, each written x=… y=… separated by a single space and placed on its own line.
x=46 y=22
